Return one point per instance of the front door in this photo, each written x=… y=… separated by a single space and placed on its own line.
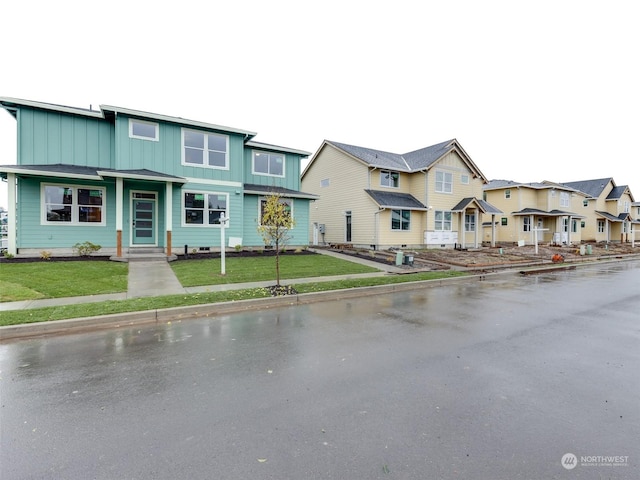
x=143 y=226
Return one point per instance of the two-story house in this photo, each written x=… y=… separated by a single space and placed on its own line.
x=607 y=208
x=543 y=212
x=129 y=180
x=370 y=198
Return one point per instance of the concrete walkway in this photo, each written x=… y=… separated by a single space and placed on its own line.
x=156 y=278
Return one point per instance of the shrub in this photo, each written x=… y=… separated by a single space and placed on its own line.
x=44 y=255
x=85 y=249
x=238 y=248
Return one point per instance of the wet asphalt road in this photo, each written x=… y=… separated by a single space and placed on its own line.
x=495 y=379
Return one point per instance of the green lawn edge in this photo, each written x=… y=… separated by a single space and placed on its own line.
x=66 y=312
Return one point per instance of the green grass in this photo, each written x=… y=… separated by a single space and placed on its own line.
x=16 y=317
x=29 y=281
x=192 y=273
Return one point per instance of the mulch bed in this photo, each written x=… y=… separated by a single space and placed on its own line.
x=281 y=290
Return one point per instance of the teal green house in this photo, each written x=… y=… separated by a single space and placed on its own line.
x=138 y=182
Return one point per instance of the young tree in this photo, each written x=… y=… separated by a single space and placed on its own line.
x=275 y=224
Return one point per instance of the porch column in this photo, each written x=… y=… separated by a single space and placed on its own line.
x=493 y=230
x=168 y=215
x=119 y=215
x=12 y=219
x=476 y=215
x=569 y=230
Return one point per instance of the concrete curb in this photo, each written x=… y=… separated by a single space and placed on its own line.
x=120 y=320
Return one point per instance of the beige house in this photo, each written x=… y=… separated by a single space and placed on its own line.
x=607 y=209
x=543 y=212
x=369 y=198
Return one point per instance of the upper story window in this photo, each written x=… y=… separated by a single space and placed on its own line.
x=626 y=206
x=389 y=179
x=444 y=182
x=73 y=205
x=464 y=179
x=204 y=149
x=265 y=163
x=507 y=193
x=585 y=203
x=564 y=199
x=143 y=130
x=202 y=208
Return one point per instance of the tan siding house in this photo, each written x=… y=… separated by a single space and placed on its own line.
x=607 y=209
x=374 y=199
x=545 y=212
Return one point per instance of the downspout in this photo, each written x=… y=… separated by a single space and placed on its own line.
x=376 y=226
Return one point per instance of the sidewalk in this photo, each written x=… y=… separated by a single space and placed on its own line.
x=156 y=278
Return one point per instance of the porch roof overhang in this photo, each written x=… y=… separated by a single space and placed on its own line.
x=543 y=213
x=623 y=217
x=396 y=201
x=79 y=172
x=473 y=202
x=252 y=189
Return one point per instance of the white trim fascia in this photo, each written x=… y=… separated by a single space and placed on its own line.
x=126 y=175
x=10 y=103
x=276 y=148
x=178 y=120
x=308 y=196
x=204 y=181
x=48 y=173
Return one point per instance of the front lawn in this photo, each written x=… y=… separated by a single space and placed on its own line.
x=34 y=280
x=193 y=273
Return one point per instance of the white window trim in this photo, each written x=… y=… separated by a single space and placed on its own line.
x=139 y=137
x=289 y=200
x=204 y=165
x=443 y=221
x=464 y=179
x=470 y=226
x=253 y=164
x=183 y=208
x=565 y=199
x=400 y=229
x=74 y=206
x=444 y=173
x=390 y=172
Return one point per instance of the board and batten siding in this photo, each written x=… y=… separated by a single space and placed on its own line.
x=340 y=183
x=298 y=235
x=47 y=138
x=33 y=233
x=291 y=179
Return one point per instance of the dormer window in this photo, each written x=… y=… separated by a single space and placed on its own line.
x=389 y=179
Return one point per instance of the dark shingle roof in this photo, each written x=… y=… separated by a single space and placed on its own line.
x=78 y=171
x=484 y=206
x=396 y=200
x=593 y=188
x=408 y=162
x=617 y=192
x=252 y=188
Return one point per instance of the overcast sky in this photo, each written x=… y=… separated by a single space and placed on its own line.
x=546 y=90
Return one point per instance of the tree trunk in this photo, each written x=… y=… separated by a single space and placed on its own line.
x=277 y=263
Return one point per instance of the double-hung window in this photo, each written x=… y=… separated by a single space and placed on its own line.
x=469 y=222
x=444 y=182
x=400 y=219
x=266 y=163
x=73 y=205
x=564 y=199
x=389 y=179
x=205 y=149
x=202 y=208
x=442 y=221
x=526 y=224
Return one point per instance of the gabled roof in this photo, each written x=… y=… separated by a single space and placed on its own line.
x=592 y=188
x=485 y=207
x=61 y=170
x=411 y=162
x=617 y=192
x=253 y=189
x=396 y=200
